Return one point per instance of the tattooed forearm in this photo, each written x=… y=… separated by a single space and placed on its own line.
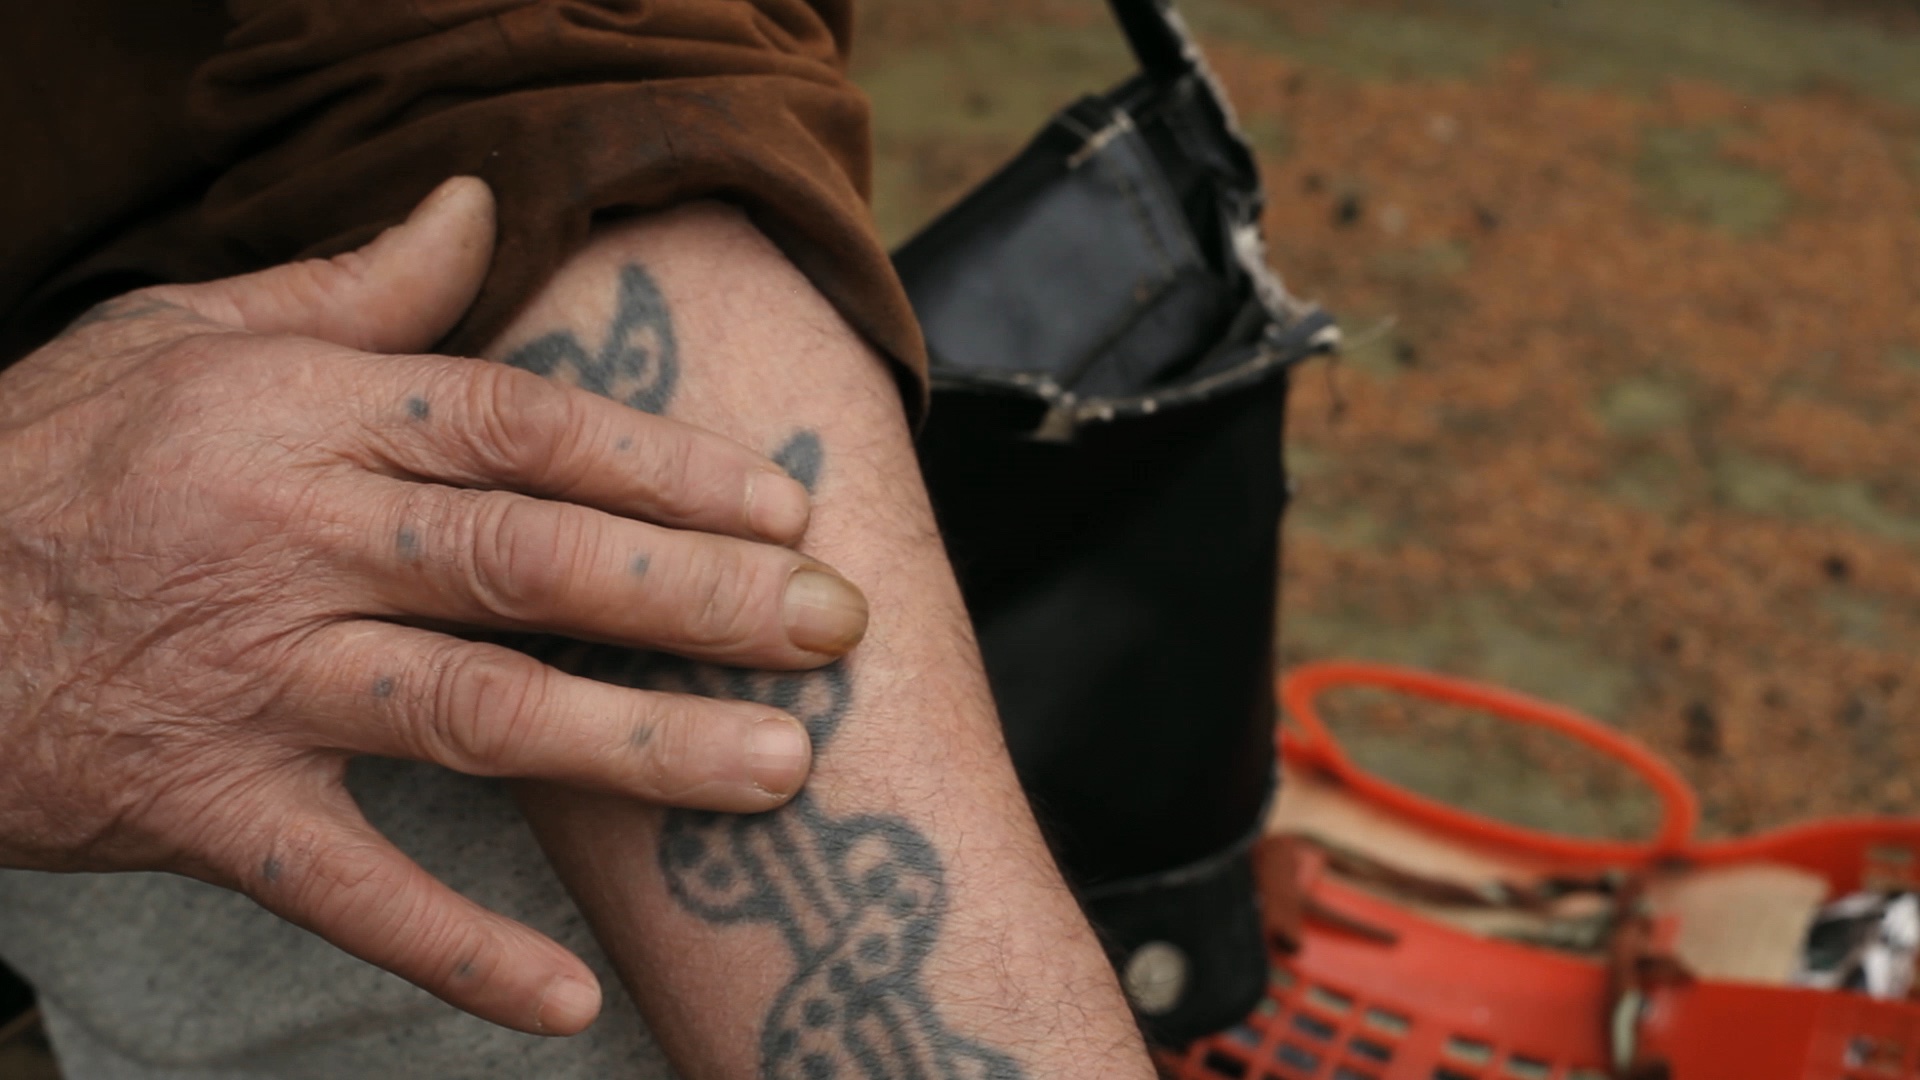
x=638 y=361
x=859 y=900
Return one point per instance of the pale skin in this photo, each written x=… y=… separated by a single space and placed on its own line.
x=229 y=526
x=218 y=600
x=911 y=776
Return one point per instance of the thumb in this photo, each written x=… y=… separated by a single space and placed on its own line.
x=400 y=293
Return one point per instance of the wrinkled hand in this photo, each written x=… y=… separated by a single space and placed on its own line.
x=231 y=537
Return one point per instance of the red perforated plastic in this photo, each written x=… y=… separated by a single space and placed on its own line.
x=1425 y=1001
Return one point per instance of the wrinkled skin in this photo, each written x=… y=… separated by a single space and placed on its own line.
x=235 y=534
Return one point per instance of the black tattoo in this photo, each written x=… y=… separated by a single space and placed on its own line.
x=638 y=362
x=858 y=899
x=639 y=566
x=383 y=686
x=418 y=409
x=407 y=543
x=801 y=457
x=270 y=869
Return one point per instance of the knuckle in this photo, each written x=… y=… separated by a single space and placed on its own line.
x=518 y=421
x=468 y=954
x=449 y=516
x=312 y=870
x=519 y=554
x=670 y=765
x=411 y=928
x=487 y=709
x=360 y=884
x=728 y=593
x=674 y=475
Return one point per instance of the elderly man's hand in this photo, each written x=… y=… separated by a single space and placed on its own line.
x=231 y=542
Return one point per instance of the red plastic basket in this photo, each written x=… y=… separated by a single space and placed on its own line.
x=1379 y=992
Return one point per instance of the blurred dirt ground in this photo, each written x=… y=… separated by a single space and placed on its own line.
x=1629 y=417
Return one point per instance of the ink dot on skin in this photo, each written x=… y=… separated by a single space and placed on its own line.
x=818 y=1013
x=383 y=686
x=418 y=408
x=625 y=444
x=638 y=567
x=801 y=457
x=464 y=971
x=270 y=869
x=783 y=1044
x=817 y=1067
x=642 y=735
x=407 y=543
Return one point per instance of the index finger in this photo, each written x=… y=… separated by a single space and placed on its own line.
x=478 y=424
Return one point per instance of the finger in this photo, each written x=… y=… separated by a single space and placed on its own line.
x=471 y=423
x=485 y=710
x=325 y=869
x=399 y=293
x=505 y=561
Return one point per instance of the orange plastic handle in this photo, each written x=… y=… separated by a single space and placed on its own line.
x=1314 y=747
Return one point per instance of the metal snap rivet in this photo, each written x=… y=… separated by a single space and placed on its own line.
x=1155 y=977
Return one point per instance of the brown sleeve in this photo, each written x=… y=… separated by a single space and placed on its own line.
x=339 y=115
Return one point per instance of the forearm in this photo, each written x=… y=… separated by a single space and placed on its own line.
x=903 y=913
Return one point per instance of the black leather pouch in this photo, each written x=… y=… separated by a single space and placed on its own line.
x=1110 y=360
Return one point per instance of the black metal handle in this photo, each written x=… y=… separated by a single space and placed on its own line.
x=1159 y=42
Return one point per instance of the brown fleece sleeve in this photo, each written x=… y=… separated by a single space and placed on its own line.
x=339 y=115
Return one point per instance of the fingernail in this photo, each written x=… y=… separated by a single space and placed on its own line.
x=777 y=506
x=568 y=1006
x=778 y=753
x=825 y=613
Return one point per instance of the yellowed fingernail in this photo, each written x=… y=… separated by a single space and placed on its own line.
x=568 y=1006
x=778 y=755
x=777 y=507
x=824 y=612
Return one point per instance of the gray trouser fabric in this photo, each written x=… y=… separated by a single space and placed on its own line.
x=155 y=977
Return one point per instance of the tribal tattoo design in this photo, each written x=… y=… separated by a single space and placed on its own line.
x=859 y=900
x=639 y=361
